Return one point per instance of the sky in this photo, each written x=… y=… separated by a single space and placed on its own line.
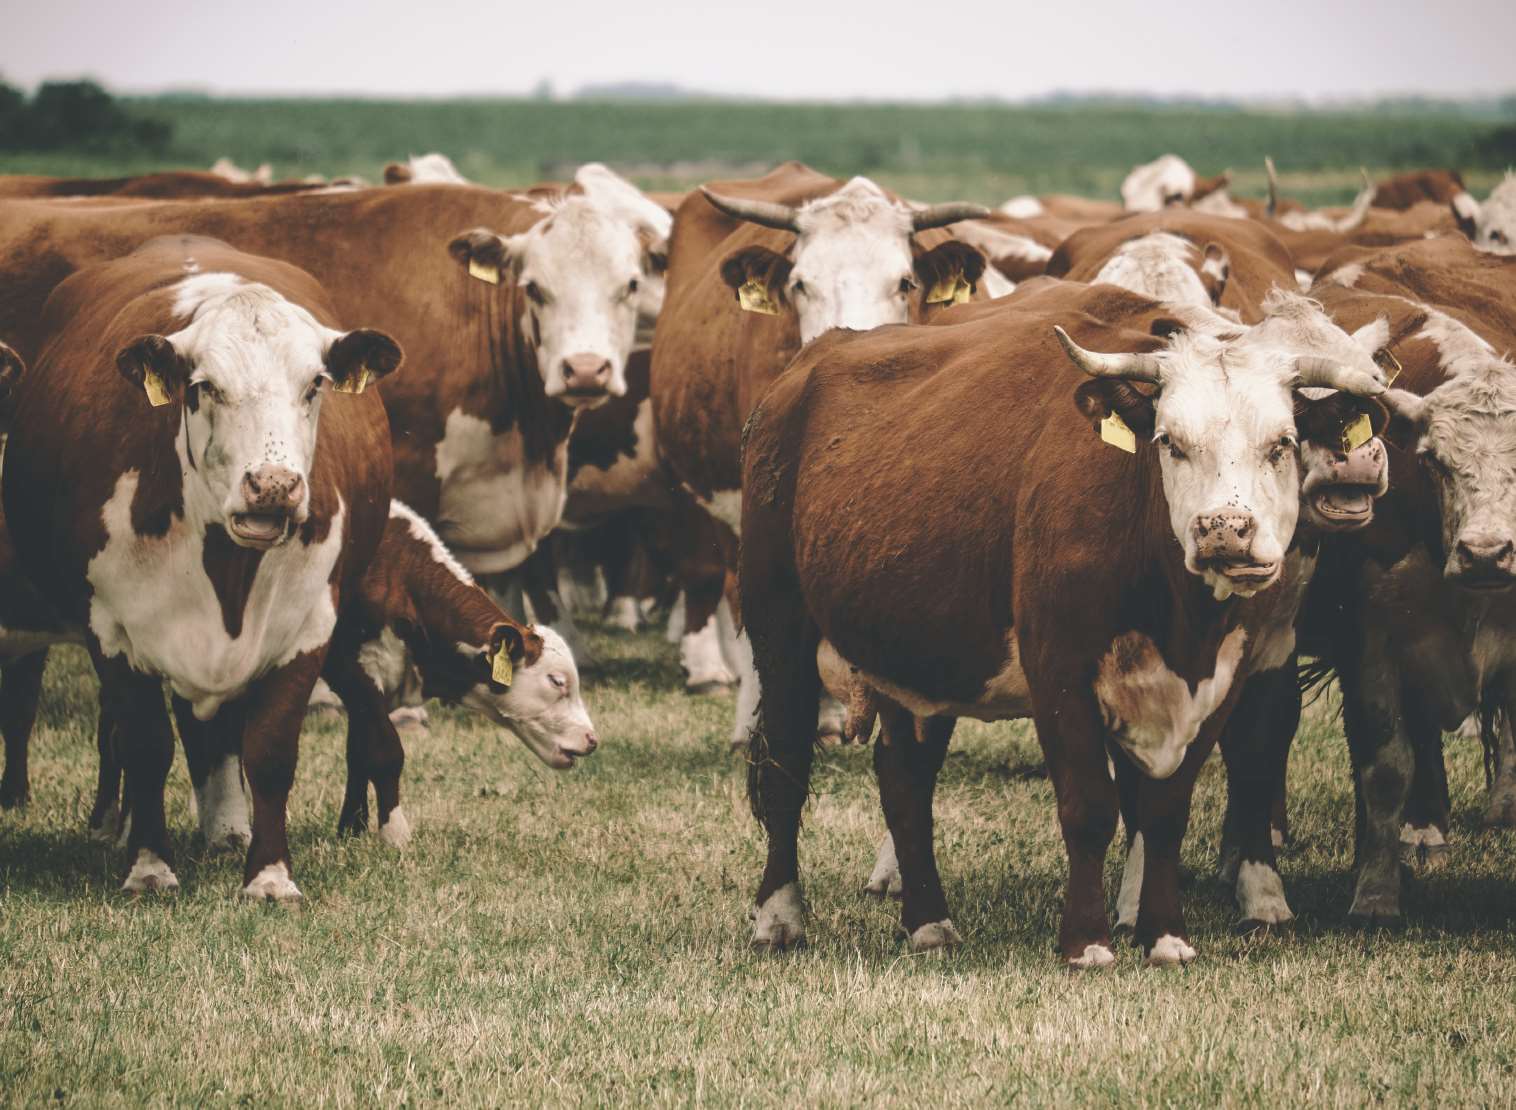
x=822 y=49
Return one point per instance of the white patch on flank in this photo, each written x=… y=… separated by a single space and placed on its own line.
x=1260 y=894
x=494 y=509
x=150 y=873
x=222 y=803
x=387 y=663
x=1150 y=709
x=1130 y=899
x=1425 y=836
x=1006 y=695
x=1274 y=640
x=273 y=882
x=1094 y=956
x=1023 y=207
x=1347 y=275
x=1304 y=279
x=726 y=506
x=934 y=935
x=700 y=656
x=396 y=832
x=884 y=880
x=153 y=603
x=1170 y=951
x=780 y=921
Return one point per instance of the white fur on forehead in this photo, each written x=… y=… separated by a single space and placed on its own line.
x=615 y=194
x=1498 y=211
x=1146 y=187
x=860 y=202
x=1157 y=265
x=554 y=650
x=425 y=534
x=229 y=316
x=434 y=169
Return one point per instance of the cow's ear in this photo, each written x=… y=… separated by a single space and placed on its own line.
x=509 y=647
x=1205 y=186
x=397 y=173
x=1215 y=268
x=1104 y=397
x=655 y=251
x=485 y=255
x=361 y=356
x=949 y=272
x=155 y=366
x=1465 y=212
x=11 y=369
x=758 y=276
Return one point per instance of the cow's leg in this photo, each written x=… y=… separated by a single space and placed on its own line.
x=884 y=879
x=1163 y=807
x=624 y=563
x=107 y=820
x=133 y=702
x=1255 y=744
x=1500 y=808
x=1072 y=737
x=273 y=711
x=1424 y=826
x=1129 y=896
x=1382 y=768
x=539 y=576
x=779 y=769
x=212 y=751
x=701 y=653
x=374 y=754
x=907 y=768
x=20 y=688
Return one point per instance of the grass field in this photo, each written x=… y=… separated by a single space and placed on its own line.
x=583 y=938
x=979 y=152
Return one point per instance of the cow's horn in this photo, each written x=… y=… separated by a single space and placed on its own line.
x=1268 y=165
x=1313 y=370
x=764 y=212
x=1132 y=367
x=938 y=215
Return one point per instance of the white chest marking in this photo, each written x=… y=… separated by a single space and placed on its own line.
x=1275 y=640
x=1150 y=709
x=495 y=508
x=153 y=602
x=726 y=506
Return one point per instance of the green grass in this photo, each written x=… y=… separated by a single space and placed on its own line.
x=583 y=938
x=935 y=152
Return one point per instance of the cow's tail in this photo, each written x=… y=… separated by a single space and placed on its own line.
x=1313 y=677
x=1491 y=721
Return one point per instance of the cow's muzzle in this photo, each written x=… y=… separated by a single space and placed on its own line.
x=1483 y=561
x=272 y=501
x=586 y=379
x=1340 y=492
x=1224 y=543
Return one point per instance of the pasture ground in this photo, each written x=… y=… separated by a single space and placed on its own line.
x=583 y=938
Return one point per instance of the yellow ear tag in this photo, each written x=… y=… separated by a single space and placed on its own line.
x=355 y=384
x=753 y=296
x=1356 y=433
x=484 y=272
x=1389 y=364
x=157 y=393
x=500 y=667
x=953 y=290
x=1114 y=431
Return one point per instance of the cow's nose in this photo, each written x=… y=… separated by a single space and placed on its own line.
x=1478 y=550
x=590 y=743
x=272 y=488
x=1225 y=536
x=586 y=373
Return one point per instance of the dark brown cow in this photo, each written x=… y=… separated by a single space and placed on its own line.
x=482 y=423
x=907 y=561
x=803 y=252
x=212 y=547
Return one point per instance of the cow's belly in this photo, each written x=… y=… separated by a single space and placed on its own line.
x=153 y=602
x=494 y=507
x=1006 y=696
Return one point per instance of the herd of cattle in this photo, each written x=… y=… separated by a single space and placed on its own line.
x=1112 y=467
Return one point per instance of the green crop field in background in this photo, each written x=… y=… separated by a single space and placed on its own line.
x=934 y=152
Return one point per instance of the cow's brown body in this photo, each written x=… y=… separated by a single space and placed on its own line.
x=167 y=185
x=55 y=493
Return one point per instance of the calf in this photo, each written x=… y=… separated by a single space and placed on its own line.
x=244 y=495
x=1108 y=595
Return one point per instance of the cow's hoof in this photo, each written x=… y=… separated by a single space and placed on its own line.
x=1170 y=951
x=225 y=840
x=273 y=884
x=1260 y=897
x=1094 y=957
x=1500 y=813
x=12 y=796
x=150 y=875
x=935 y=935
x=1375 y=910
x=884 y=880
x=412 y=719
x=779 y=923
x=396 y=831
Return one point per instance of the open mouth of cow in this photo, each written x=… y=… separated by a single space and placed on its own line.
x=583 y=398
x=1484 y=580
x=1346 y=505
x=260 y=530
x=1252 y=576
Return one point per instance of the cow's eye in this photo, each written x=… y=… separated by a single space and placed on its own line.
x=632 y=286
x=313 y=392
x=558 y=681
x=799 y=288
x=1497 y=236
x=1283 y=446
x=535 y=293
x=1166 y=441
x=907 y=285
x=207 y=391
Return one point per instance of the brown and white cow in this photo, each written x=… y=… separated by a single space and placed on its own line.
x=244 y=493
x=1167 y=181
x=965 y=578
x=166 y=185
x=758 y=268
x=1491 y=224
x=531 y=320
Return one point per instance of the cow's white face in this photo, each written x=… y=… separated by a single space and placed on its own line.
x=1495 y=223
x=586 y=271
x=250 y=370
x=1157 y=184
x=1159 y=266
x=543 y=705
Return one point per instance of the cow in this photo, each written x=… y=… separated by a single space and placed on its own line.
x=1492 y=224
x=518 y=311
x=243 y=496
x=757 y=268
x=164 y=185
x=1166 y=181
x=1119 y=626
x=424 y=169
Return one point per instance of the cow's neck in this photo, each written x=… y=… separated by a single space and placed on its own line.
x=452 y=611
x=519 y=398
